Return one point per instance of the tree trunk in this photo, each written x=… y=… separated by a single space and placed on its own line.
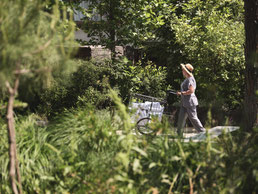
x=112 y=31
x=14 y=163
x=251 y=52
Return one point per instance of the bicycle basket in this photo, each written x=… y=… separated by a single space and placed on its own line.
x=146 y=106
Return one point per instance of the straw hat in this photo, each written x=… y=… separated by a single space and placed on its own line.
x=188 y=68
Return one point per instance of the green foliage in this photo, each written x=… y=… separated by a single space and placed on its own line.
x=208 y=34
x=34 y=43
x=89 y=84
x=33 y=85
x=149 y=79
x=29 y=37
x=118 y=22
x=63 y=156
x=212 y=36
x=170 y=165
x=80 y=151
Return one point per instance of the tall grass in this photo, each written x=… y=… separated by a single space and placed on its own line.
x=63 y=156
x=80 y=152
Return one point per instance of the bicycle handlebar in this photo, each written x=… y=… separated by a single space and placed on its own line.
x=171 y=92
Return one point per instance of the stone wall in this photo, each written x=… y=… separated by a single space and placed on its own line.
x=100 y=53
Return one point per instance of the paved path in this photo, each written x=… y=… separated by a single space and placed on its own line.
x=213 y=132
x=197 y=137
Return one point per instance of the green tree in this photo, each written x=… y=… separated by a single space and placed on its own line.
x=211 y=36
x=34 y=42
x=208 y=34
x=121 y=22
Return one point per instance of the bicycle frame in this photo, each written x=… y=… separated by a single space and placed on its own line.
x=142 y=124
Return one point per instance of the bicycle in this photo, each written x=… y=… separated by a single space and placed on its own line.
x=146 y=110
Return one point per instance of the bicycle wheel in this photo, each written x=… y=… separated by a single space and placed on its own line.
x=143 y=126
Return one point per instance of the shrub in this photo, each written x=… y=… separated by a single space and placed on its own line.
x=80 y=151
x=149 y=79
x=227 y=164
x=66 y=156
x=90 y=83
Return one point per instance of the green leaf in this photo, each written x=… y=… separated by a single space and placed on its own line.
x=153 y=164
x=175 y=158
x=123 y=158
x=143 y=153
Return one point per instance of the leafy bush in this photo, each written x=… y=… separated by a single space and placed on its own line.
x=66 y=156
x=80 y=151
x=90 y=83
x=149 y=79
x=227 y=164
x=33 y=85
x=211 y=35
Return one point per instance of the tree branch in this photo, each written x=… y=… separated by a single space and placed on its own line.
x=10 y=89
x=14 y=163
x=41 y=48
x=22 y=71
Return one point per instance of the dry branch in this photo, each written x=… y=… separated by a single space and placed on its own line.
x=14 y=163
